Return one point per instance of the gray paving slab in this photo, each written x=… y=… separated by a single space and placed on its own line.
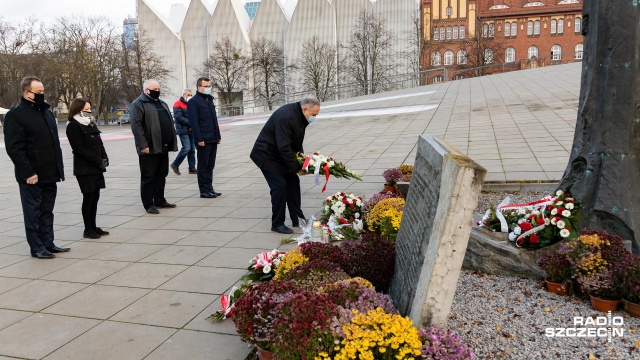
x=518 y=125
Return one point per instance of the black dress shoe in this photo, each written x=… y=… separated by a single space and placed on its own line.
x=90 y=235
x=166 y=205
x=282 y=229
x=208 y=196
x=153 y=210
x=216 y=193
x=193 y=172
x=43 y=254
x=56 y=249
x=100 y=231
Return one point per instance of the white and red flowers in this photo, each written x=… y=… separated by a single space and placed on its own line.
x=262 y=267
x=318 y=164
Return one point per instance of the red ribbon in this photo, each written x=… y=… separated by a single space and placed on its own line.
x=307 y=160
x=326 y=173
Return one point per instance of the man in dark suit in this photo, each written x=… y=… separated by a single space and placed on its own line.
x=32 y=143
x=274 y=152
x=206 y=134
x=154 y=135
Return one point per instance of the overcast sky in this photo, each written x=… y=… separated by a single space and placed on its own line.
x=49 y=10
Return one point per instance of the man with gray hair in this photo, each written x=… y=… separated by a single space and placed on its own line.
x=154 y=135
x=274 y=152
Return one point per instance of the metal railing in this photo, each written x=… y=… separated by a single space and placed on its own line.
x=404 y=81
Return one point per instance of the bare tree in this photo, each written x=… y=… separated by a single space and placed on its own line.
x=227 y=68
x=483 y=50
x=139 y=62
x=416 y=50
x=368 y=58
x=317 y=67
x=267 y=61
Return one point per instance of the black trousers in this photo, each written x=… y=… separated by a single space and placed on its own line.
x=154 y=169
x=90 y=209
x=285 y=191
x=206 y=163
x=37 y=208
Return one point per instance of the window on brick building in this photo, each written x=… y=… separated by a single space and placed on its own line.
x=510 y=55
x=514 y=28
x=536 y=27
x=458 y=77
x=485 y=30
x=436 y=34
x=442 y=33
x=492 y=30
x=462 y=57
x=438 y=79
x=488 y=56
x=530 y=28
x=455 y=33
x=507 y=29
x=532 y=52
x=554 y=26
x=560 y=26
x=448 y=32
x=577 y=25
x=556 y=52
x=435 y=58
x=448 y=57
x=462 y=32
x=578 y=51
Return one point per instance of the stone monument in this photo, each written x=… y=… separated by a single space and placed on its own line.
x=434 y=231
x=604 y=166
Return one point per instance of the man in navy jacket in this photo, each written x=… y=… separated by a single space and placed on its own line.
x=32 y=143
x=183 y=130
x=206 y=134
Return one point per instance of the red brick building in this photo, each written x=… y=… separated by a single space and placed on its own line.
x=498 y=35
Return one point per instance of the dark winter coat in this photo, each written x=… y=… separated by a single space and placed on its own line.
x=32 y=142
x=145 y=125
x=181 y=117
x=88 y=150
x=203 y=119
x=280 y=139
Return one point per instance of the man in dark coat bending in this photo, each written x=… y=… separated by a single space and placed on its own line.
x=32 y=143
x=275 y=154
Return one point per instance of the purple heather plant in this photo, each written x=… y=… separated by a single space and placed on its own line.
x=626 y=276
x=443 y=344
x=391 y=176
x=557 y=266
x=601 y=285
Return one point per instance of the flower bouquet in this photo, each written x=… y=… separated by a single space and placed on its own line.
x=342 y=213
x=227 y=302
x=263 y=266
x=536 y=224
x=317 y=162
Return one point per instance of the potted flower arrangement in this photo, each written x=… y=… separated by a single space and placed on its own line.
x=391 y=177
x=601 y=289
x=558 y=269
x=626 y=275
x=385 y=218
x=443 y=344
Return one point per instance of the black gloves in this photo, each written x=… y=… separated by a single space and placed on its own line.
x=105 y=163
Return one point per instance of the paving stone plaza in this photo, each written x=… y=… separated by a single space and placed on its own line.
x=145 y=290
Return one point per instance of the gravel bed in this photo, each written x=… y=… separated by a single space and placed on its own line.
x=501 y=317
x=487 y=198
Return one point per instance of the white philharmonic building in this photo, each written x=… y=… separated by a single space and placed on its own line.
x=186 y=37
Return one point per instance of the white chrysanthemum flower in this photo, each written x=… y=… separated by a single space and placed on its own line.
x=554 y=212
x=569 y=206
x=559 y=203
x=517 y=230
x=266 y=269
x=560 y=224
x=566 y=213
x=553 y=221
x=565 y=233
x=559 y=193
x=512 y=236
x=331 y=163
x=276 y=261
x=522 y=211
x=356 y=215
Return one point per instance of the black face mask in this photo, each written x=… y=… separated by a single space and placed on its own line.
x=155 y=95
x=38 y=98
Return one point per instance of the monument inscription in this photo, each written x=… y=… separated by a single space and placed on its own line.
x=435 y=230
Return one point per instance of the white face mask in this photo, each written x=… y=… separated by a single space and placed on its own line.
x=188 y=98
x=207 y=91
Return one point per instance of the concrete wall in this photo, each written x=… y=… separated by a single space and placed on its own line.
x=194 y=35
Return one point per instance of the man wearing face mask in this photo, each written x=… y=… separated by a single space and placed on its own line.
x=154 y=135
x=206 y=135
x=32 y=143
x=183 y=129
x=274 y=152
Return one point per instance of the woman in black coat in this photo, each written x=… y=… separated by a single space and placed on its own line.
x=89 y=162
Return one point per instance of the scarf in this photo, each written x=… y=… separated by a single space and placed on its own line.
x=85 y=120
